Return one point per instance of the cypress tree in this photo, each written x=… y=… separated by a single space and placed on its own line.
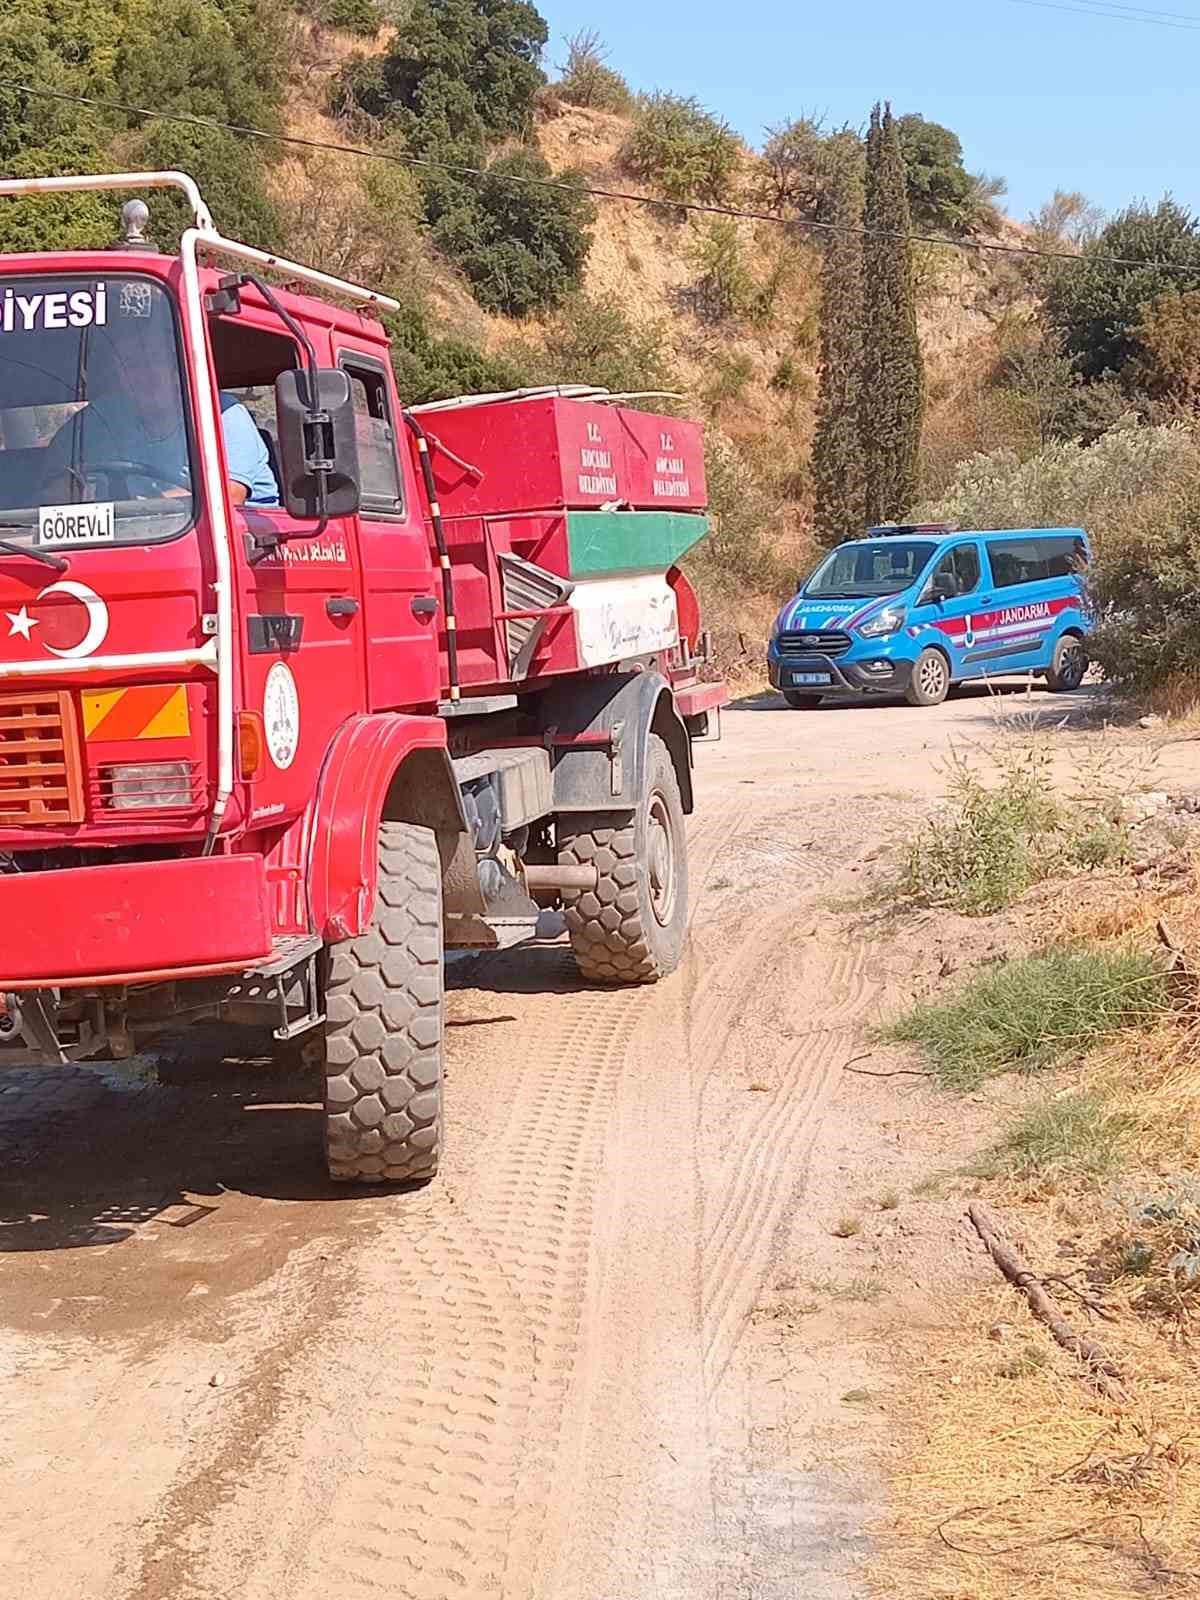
x=838 y=467
x=893 y=389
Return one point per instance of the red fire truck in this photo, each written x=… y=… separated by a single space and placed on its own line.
x=268 y=748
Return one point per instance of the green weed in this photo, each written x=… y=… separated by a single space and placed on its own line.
x=1030 y=1013
x=1077 y=1134
x=995 y=841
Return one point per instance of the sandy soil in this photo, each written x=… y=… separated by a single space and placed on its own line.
x=614 y=1353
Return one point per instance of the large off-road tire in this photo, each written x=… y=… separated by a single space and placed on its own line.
x=383 y=1076
x=801 y=702
x=1066 y=671
x=930 y=683
x=632 y=927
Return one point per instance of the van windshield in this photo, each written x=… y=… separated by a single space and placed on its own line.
x=862 y=571
x=93 y=432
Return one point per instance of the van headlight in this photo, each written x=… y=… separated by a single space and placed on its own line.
x=889 y=620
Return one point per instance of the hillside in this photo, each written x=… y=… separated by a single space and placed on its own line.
x=726 y=314
x=508 y=272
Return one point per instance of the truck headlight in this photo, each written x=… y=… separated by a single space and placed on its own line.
x=147 y=786
x=889 y=620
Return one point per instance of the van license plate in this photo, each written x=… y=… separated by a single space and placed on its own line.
x=810 y=677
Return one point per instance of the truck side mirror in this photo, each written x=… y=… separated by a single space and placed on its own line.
x=318 y=444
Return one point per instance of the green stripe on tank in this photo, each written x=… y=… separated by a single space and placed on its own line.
x=605 y=543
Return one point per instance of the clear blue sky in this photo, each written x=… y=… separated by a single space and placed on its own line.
x=1046 y=98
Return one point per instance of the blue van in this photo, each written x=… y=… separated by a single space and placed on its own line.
x=913 y=610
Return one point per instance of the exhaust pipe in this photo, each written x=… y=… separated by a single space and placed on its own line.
x=540 y=879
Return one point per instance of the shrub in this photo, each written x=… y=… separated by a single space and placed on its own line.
x=942 y=194
x=803 y=168
x=592 y=339
x=1168 y=336
x=727 y=379
x=995 y=841
x=433 y=366
x=522 y=245
x=460 y=72
x=351 y=16
x=229 y=174
x=588 y=80
x=725 y=287
x=741 y=555
x=681 y=149
x=1097 y=307
x=1030 y=1013
x=1066 y=485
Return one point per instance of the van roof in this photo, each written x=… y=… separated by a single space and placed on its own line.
x=946 y=530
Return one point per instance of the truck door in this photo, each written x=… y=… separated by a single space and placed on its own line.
x=302 y=630
x=400 y=591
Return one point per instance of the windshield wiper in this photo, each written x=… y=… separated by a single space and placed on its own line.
x=59 y=563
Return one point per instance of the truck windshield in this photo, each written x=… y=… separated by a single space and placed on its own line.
x=93 y=432
x=860 y=571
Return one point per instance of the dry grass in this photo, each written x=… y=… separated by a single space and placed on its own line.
x=1009 y=1475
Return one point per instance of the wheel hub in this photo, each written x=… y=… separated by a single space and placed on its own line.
x=660 y=860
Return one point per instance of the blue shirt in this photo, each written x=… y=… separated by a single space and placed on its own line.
x=246 y=454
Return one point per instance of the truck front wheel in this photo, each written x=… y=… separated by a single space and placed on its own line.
x=631 y=927
x=383 y=1076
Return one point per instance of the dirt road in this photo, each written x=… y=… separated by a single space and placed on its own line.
x=222 y=1380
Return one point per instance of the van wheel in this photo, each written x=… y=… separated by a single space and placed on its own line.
x=383 y=1075
x=802 y=702
x=1070 y=663
x=930 y=682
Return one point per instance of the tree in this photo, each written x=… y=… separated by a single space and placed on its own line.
x=1168 y=366
x=893 y=384
x=519 y=234
x=460 y=73
x=684 y=151
x=838 y=465
x=1098 y=301
x=588 y=80
x=940 y=189
x=803 y=167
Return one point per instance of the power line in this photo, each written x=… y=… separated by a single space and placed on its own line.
x=624 y=196
x=1114 y=13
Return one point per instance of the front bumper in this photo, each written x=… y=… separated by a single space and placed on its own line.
x=132 y=922
x=880 y=674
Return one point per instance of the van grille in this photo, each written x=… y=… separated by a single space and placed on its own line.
x=813 y=642
x=40 y=777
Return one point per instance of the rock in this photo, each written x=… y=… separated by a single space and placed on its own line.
x=1141 y=807
x=1150 y=721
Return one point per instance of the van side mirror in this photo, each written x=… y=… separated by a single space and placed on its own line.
x=318 y=444
x=939 y=590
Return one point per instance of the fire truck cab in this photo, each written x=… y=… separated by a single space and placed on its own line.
x=299 y=687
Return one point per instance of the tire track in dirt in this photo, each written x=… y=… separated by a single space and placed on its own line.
x=456 y=1401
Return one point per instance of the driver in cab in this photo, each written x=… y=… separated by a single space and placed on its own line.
x=135 y=433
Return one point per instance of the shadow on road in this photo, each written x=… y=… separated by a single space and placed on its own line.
x=1014 y=704
x=87 y=1154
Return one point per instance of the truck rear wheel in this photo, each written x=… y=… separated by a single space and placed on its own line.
x=383 y=1076
x=631 y=927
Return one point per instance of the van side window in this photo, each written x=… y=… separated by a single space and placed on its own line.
x=378 y=462
x=1035 y=560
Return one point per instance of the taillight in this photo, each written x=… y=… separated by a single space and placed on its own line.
x=147 y=785
x=250 y=743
